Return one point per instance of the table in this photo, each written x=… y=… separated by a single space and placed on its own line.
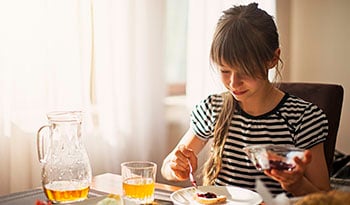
x=112 y=183
x=102 y=185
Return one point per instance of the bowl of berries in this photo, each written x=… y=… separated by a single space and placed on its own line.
x=280 y=157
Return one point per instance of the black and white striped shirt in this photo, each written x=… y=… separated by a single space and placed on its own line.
x=292 y=122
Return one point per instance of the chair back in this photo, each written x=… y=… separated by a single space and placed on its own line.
x=328 y=97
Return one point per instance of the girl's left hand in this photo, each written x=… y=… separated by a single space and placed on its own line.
x=290 y=180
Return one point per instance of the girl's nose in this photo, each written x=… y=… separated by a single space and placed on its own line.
x=234 y=79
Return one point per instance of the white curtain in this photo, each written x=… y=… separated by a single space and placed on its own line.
x=102 y=57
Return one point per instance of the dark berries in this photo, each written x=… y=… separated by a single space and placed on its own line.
x=208 y=195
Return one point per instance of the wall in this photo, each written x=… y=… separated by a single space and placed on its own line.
x=315 y=48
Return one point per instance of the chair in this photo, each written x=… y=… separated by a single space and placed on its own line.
x=328 y=97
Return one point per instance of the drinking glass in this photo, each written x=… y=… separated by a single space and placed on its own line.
x=138 y=181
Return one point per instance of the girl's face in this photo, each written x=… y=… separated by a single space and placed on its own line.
x=241 y=86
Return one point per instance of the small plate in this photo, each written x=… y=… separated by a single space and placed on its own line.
x=235 y=195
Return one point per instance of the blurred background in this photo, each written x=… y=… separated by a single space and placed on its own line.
x=136 y=68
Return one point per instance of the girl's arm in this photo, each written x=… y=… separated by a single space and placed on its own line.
x=310 y=175
x=316 y=173
x=175 y=165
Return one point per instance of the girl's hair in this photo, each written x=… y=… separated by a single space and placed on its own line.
x=246 y=39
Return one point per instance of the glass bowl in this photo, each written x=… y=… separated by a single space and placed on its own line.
x=280 y=157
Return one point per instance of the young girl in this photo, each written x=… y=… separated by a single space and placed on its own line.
x=252 y=111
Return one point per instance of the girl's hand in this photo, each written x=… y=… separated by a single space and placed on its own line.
x=179 y=162
x=290 y=180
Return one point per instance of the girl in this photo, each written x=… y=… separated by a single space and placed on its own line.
x=252 y=111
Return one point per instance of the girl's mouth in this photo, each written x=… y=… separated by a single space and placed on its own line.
x=237 y=93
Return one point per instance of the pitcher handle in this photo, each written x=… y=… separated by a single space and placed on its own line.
x=40 y=144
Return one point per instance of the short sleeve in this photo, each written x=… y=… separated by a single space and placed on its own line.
x=204 y=114
x=313 y=127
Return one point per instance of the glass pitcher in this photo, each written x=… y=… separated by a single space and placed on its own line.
x=66 y=170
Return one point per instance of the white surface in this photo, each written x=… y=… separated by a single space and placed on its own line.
x=235 y=195
x=95 y=200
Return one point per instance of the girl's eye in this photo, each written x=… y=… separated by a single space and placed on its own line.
x=225 y=71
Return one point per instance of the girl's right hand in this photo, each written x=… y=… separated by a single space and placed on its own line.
x=179 y=162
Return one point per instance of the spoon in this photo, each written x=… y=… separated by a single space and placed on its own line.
x=193 y=181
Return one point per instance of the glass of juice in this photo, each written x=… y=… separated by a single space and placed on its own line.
x=138 y=181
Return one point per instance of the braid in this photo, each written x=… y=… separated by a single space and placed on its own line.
x=213 y=164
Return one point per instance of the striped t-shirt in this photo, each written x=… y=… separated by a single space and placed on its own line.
x=292 y=122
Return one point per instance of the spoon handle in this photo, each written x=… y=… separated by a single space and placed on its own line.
x=192 y=179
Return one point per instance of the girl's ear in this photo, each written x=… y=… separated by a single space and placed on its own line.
x=275 y=59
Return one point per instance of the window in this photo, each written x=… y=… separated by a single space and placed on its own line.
x=176 y=43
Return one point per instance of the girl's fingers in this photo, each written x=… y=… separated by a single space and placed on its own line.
x=302 y=163
x=307 y=157
x=188 y=153
x=179 y=162
x=272 y=175
x=181 y=157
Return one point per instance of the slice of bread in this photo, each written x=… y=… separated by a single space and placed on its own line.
x=218 y=199
x=333 y=197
